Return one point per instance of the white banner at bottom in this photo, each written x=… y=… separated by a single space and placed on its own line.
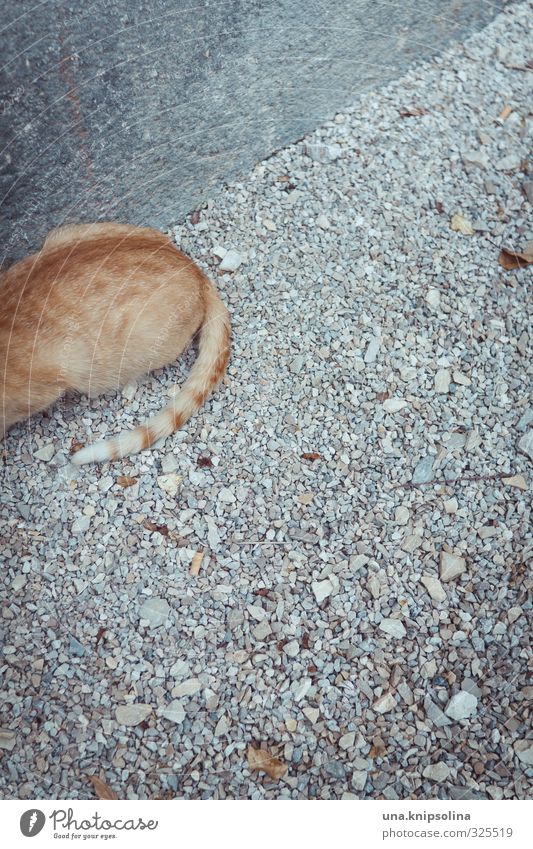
x=272 y=824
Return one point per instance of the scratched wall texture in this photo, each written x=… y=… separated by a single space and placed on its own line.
x=132 y=110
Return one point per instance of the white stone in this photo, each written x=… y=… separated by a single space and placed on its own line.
x=442 y=381
x=392 y=627
x=385 y=703
x=423 y=472
x=394 y=405
x=322 y=589
x=189 y=687
x=451 y=505
x=514 y=613
x=169 y=464
x=461 y=379
x=508 y=163
x=80 y=525
x=226 y=496
x=302 y=689
x=128 y=391
x=179 y=669
x=359 y=778
x=517 y=481
x=434 y=587
x=374 y=586
x=174 y=711
x=170 y=483
x=322 y=222
x=358 y=561
x=524 y=751
x=231 y=261
x=18 y=582
x=292 y=648
x=401 y=515
x=525 y=444
x=133 y=714
x=437 y=772
x=451 y=565
x=46 y=452
x=372 y=350
x=477 y=158
x=155 y=610
x=433 y=297
x=262 y=631
x=311 y=713
x=461 y=706
x=322 y=152
x=8 y=739
x=347 y=740
x=222 y=726
x=256 y=612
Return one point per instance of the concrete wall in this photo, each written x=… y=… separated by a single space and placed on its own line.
x=133 y=110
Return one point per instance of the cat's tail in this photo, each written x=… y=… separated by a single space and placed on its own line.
x=208 y=369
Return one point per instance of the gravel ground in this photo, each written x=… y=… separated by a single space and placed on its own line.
x=358 y=487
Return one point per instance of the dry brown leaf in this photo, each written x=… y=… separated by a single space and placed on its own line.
x=504 y=114
x=510 y=259
x=413 y=112
x=311 y=455
x=378 y=748
x=125 y=481
x=196 y=563
x=262 y=761
x=204 y=462
x=516 y=480
x=152 y=526
x=101 y=788
x=462 y=225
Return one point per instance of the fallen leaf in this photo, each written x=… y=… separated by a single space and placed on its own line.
x=462 y=224
x=262 y=761
x=413 y=112
x=101 y=788
x=125 y=481
x=196 y=563
x=152 y=526
x=516 y=480
x=504 y=114
x=311 y=455
x=378 y=748
x=204 y=462
x=170 y=483
x=510 y=259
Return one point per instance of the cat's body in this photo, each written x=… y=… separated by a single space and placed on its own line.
x=96 y=307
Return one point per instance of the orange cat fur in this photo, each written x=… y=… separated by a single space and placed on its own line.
x=96 y=307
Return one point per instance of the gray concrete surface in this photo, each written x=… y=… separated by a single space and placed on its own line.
x=136 y=111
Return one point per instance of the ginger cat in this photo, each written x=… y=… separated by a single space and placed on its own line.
x=96 y=307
